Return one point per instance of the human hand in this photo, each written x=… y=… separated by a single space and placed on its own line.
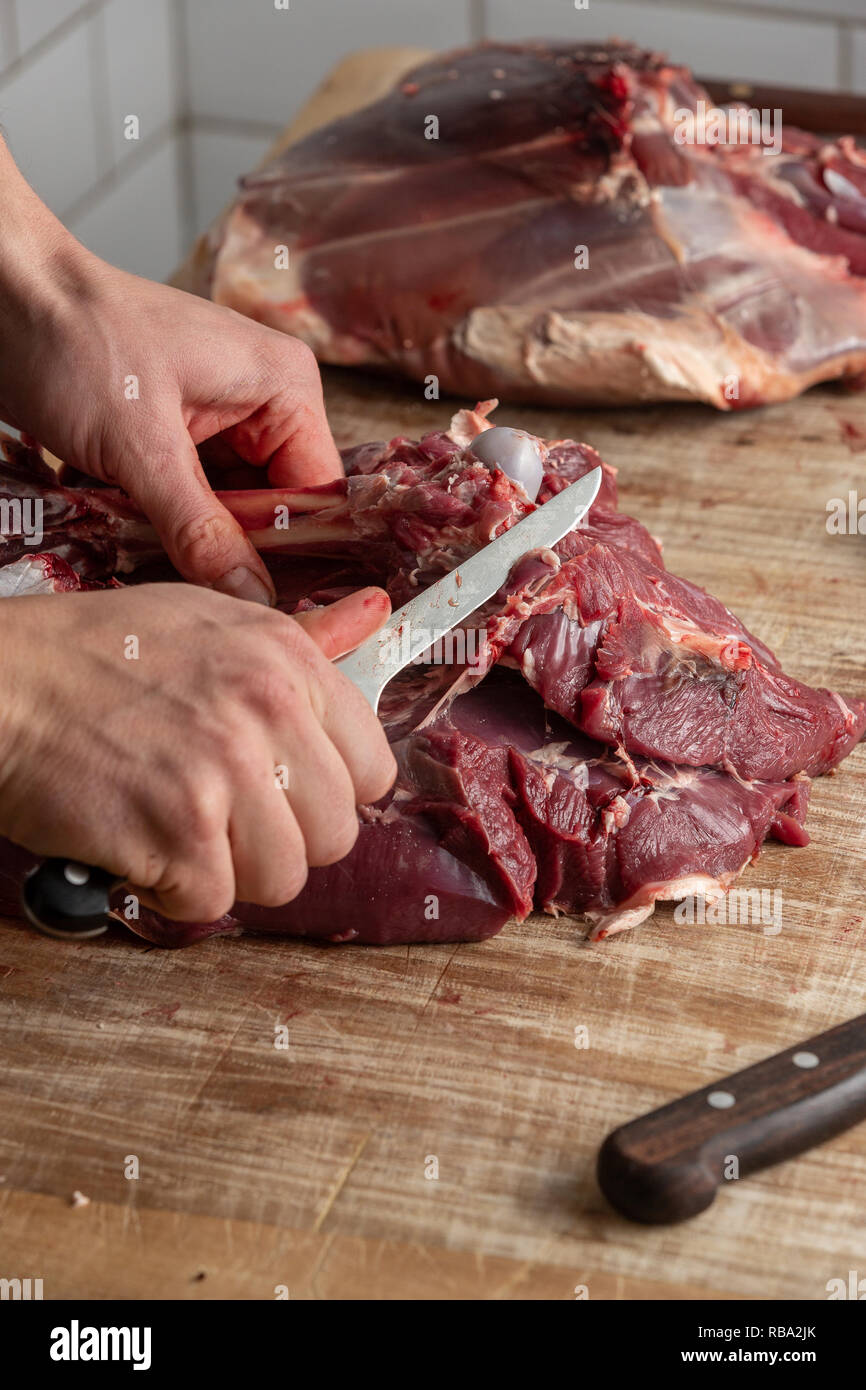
x=160 y=766
x=123 y=378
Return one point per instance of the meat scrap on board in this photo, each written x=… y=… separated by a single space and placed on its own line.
x=611 y=736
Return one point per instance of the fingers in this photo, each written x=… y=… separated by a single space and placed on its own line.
x=358 y=737
x=268 y=846
x=322 y=796
x=346 y=716
x=204 y=543
x=195 y=888
x=360 y=740
x=341 y=626
x=290 y=431
x=255 y=852
x=271 y=839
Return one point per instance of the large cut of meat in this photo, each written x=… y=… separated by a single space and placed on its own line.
x=612 y=736
x=725 y=273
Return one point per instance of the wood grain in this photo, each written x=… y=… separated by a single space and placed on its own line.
x=669 y=1165
x=306 y=1167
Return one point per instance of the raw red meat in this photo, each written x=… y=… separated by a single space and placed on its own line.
x=620 y=737
x=722 y=273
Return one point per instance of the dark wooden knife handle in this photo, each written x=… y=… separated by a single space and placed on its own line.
x=667 y=1166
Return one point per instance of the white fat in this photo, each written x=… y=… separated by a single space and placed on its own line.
x=841 y=187
x=553 y=757
x=466 y=425
x=847 y=713
x=616 y=816
x=684 y=632
x=691 y=885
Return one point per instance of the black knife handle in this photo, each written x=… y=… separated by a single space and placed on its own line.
x=667 y=1166
x=66 y=899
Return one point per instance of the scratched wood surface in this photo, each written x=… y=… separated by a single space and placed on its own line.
x=305 y=1167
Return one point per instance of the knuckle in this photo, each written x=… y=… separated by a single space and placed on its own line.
x=291 y=881
x=201 y=541
x=298 y=882
x=194 y=894
x=386 y=771
x=306 y=419
x=301 y=357
x=206 y=904
x=201 y=817
x=152 y=455
x=228 y=748
x=340 y=841
x=380 y=776
x=272 y=693
x=298 y=644
x=301 y=655
x=211 y=906
x=301 y=415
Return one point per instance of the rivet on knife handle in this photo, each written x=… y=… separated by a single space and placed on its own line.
x=668 y=1165
x=69 y=900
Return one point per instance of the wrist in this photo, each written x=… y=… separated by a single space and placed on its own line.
x=42 y=266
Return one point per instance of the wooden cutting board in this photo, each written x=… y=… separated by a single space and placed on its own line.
x=306 y=1167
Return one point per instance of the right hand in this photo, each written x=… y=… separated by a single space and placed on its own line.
x=160 y=768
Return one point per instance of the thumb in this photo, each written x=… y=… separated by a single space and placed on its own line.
x=341 y=626
x=203 y=541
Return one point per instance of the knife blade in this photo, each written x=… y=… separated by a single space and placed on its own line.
x=455 y=597
x=66 y=899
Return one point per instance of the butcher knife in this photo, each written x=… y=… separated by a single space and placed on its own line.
x=70 y=900
x=668 y=1165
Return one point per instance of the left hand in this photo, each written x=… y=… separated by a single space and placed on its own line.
x=123 y=378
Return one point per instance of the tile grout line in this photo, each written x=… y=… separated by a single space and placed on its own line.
x=9 y=29
x=117 y=176
x=97 y=56
x=234 y=125
x=38 y=50
x=185 y=171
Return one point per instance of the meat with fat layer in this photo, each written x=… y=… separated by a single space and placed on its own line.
x=555 y=241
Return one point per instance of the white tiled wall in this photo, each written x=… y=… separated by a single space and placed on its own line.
x=72 y=72
x=212 y=81
x=251 y=61
x=219 y=157
x=50 y=122
x=38 y=18
x=136 y=222
x=142 y=77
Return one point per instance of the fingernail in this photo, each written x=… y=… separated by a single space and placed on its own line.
x=243 y=583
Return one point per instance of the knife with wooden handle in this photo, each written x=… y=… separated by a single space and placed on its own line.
x=668 y=1165
x=66 y=899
